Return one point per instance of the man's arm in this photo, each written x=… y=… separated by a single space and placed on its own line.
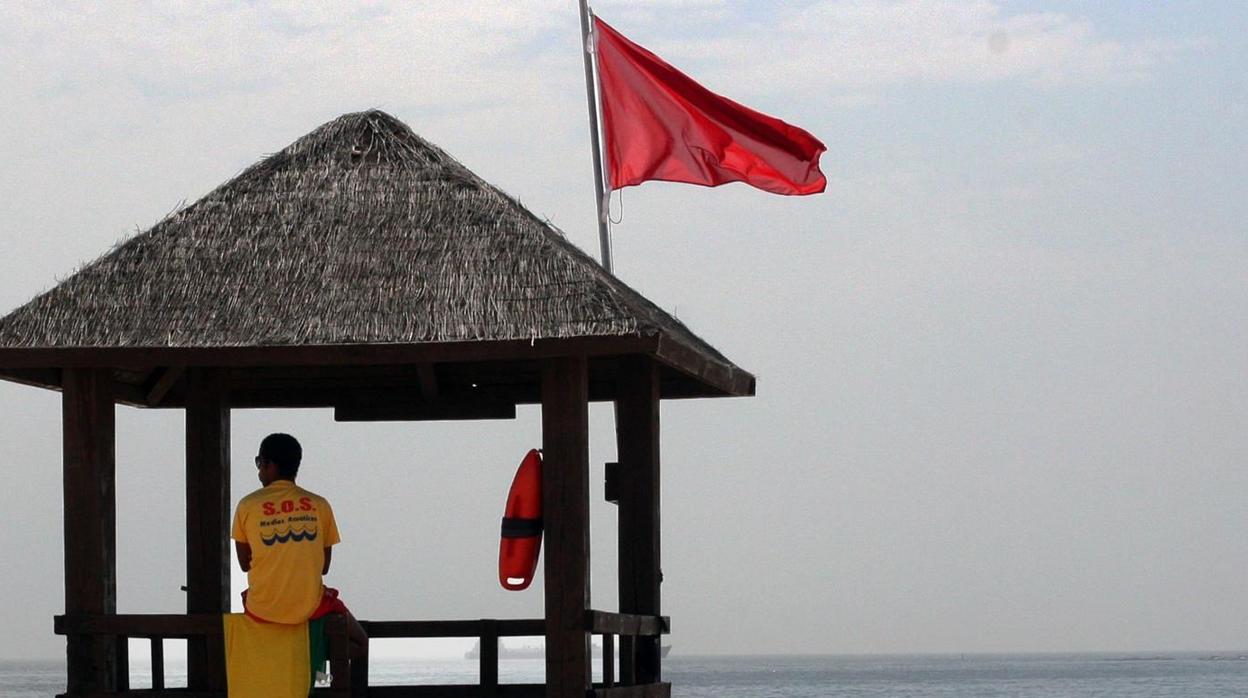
x=329 y=553
x=244 y=555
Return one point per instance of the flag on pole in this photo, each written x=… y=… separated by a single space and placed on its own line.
x=661 y=125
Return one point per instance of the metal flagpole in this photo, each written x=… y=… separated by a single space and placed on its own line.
x=591 y=92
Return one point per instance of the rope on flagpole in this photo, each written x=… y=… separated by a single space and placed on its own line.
x=591 y=90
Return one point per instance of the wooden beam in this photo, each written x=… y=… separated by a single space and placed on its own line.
x=164 y=382
x=652 y=690
x=565 y=497
x=428 y=381
x=637 y=433
x=522 y=690
x=518 y=627
x=391 y=411
x=50 y=379
x=34 y=377
x=712 y=374
x=139 y=624
x=207 y=519
x=90 y=512
x=605 y=622
x=718 y=373
x=324 y=355
x=164 y=693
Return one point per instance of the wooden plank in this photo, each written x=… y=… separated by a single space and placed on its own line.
x=139 y=625
x=148 y=693
x=207 y=519
x=565 y=496
x=418 y=379
x=600 y=622
x=34 y=377
x=637 y=433
x=531 y=690
x=651 y=690
x=90 y=527
x=724 y=377
x=165 y=380
x=50 y=379
x=450 y=628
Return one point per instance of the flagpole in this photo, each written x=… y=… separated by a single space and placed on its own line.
x=591 y=92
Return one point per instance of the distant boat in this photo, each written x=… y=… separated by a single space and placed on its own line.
x=537 y=651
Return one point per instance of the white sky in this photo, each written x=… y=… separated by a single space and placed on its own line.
x=1001 y=361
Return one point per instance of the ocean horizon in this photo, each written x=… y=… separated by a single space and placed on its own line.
x=1147 y=674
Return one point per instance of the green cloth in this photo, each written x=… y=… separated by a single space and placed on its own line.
x=318 y=647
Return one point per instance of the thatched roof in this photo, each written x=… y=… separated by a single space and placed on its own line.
x=359 y=233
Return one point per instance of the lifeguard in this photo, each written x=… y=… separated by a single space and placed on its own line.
x=284 y=536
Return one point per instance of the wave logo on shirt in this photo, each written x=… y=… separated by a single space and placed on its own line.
x=292 y=535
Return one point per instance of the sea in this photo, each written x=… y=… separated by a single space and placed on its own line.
x=1194 y=675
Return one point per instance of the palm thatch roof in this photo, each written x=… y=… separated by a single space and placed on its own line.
x=359 y=234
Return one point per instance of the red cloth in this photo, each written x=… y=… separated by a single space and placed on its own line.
x=661 y=125
x=330 y=603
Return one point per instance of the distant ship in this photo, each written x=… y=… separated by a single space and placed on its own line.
x=537 y=651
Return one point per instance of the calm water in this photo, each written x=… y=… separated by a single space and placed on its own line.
x=1017 y=676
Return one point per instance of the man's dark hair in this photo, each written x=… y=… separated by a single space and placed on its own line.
x=284 y=451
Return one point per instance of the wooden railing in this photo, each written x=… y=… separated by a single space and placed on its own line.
x=351 y=676
x=160 y=627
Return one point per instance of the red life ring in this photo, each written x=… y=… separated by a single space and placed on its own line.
x=521 y=541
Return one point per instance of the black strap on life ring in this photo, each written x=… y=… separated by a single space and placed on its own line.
x=521 y=528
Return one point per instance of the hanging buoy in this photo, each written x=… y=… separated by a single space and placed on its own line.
x=522 y=525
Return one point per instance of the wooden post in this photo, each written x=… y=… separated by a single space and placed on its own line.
x=158 y=663
x=339 y=646
x=565 y=504
x=637 y=434
x=207 y=520
x=90 y=524
x=487 y=657
x=359 y=674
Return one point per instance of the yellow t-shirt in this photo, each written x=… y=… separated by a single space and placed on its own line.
x=288 y=529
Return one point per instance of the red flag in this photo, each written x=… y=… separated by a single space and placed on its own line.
x=661 y=125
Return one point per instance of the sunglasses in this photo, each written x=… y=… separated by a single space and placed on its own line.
x=259 y=461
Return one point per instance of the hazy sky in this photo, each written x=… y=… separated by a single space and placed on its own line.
x=1002 y=362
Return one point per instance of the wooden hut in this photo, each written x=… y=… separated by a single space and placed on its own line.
x=365 y=270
